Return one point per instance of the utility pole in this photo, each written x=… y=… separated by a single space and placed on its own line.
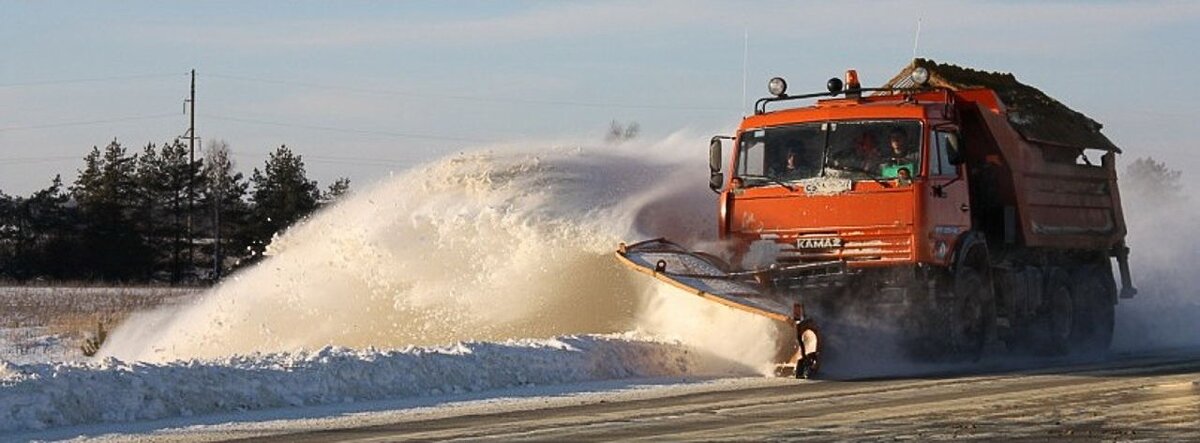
x=191 y=172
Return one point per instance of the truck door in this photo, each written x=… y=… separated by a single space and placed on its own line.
x=948 y=206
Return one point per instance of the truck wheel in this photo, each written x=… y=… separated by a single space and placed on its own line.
x=976 y=312
x=1057 y=317
x=1094 y=291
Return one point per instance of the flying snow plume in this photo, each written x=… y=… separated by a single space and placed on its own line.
x=489 y=245
x=737 y=341
x=1163 y=261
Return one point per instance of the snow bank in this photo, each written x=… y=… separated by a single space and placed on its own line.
x=40 y=396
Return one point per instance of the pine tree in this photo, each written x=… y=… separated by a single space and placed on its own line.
x=107 y=194
x=282 y=195
x=7 y=234
x=335 y=191
x=42 y=235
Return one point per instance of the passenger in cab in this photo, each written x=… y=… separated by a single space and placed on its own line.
x=901 y=158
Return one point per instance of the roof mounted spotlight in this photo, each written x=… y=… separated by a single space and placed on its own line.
x=919 y=76
x=834 y=85
x=777 y=87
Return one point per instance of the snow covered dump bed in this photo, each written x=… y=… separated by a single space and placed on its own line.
x=1036 y=116
x=702 y=275
x=1034 y=177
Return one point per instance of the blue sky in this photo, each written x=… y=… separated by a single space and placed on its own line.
x=364 y=88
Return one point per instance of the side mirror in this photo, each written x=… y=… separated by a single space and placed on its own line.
x=714 y=155
x=716 y=179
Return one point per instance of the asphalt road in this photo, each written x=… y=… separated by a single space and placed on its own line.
x=1151 y=396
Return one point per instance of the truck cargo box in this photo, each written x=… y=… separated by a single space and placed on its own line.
x=1042 y=174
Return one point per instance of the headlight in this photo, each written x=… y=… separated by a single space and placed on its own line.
x=777 y=87
x=919 y=76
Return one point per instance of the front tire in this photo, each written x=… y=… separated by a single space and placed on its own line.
x=976 y=309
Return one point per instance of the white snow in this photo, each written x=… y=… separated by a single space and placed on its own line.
x=47 y=395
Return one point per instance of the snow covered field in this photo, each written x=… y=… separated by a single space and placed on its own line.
x=45 y=395
x=49 y=323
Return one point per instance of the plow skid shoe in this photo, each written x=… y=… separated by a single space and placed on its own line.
x=704 y=275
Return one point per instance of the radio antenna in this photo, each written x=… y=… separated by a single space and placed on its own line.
x=917 y=39
x=745 y=64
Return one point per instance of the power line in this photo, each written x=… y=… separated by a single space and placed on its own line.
x=474 y=98
x=327 y=159
x=33 y=160
x=87 y=80
x=89 y=122
x=343 y=130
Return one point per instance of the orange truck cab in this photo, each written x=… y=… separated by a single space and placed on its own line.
x=955 y=201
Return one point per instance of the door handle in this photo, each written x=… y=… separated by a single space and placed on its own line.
x=964 y=208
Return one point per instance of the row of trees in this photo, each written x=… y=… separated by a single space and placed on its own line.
x=128 y=216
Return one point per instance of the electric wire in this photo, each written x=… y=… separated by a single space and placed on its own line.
x=342 y=130
x=474 y=98
x=89 y=80
x=89 y=122
x=327 y=159
x=8 y=161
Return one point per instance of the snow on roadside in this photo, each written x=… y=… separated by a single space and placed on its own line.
x=41 y=396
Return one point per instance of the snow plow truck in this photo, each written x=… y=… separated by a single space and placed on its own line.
x=950 y=208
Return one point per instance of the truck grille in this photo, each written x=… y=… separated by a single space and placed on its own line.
x=861 y=245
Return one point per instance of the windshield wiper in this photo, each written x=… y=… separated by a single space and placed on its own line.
x=770 y=179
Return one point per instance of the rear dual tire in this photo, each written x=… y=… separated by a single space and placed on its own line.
x=1077 y=313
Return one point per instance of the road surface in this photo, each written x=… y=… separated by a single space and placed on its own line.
x=1152 y=396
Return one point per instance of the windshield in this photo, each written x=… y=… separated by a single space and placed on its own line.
x=856 y=150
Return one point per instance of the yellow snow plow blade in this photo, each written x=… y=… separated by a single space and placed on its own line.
x=703 y=275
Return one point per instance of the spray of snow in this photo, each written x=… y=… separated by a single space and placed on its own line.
x=1163 y=261
x=739 y=341
x=505 y=243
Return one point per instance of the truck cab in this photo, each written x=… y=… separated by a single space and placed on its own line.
x=860 y=181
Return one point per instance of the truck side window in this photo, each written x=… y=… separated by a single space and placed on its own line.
x=944 y=143
x=754 y=159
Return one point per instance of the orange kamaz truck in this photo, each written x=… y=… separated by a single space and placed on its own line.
x=950 y=208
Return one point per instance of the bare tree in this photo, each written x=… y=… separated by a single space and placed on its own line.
x=618 y=133
x=1152 y=181
x=221 y=183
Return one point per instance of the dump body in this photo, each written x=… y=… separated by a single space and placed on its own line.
x=1034 y=193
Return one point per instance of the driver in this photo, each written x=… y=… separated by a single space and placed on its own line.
x=793 y=167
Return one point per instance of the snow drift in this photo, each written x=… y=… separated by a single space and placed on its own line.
x=39 y=396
